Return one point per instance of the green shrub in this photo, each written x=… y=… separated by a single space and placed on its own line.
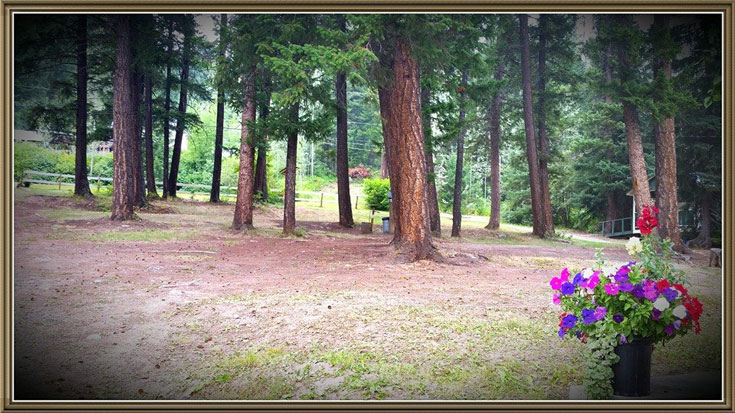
x=376 y=193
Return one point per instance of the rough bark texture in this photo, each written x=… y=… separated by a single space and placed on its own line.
x=401 y=111
x=180 y=123
x=220 y=122
x=343 y=177
x=123 y=125
x=150 y=172
x=167 y=107
x=666 y=191
x=81 y=184
x=289 y=195
x=493 y=118
x=139 y=187
x=639 y=175
x=432 y=198
x=458 y=172
x=244 y=204
x=611 y=211
x=543 y=167
x=261 y=166
x=539 y=228
x=704 y=237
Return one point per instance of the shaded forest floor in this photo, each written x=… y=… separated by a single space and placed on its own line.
x=178 y=306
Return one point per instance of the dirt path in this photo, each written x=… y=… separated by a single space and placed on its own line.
x=177 y=306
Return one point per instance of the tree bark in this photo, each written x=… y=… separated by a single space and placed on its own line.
x=150 y=172
x=220 y=122
x=81 y=183
x=432 y=198
x=704 y=237
x=401 y=112
x=493 y=118
x=539 y=227
x=123 y=124
x=343 y=178
x=289 y=195
x=457 y=202
x=244 y=204
x=261 y=166
x=139 y=188
x=180 y=123
x=542 y=132
x=611 y=211
x=639 y=174
x=665 y=146
x=383 y=98
x=167 y=107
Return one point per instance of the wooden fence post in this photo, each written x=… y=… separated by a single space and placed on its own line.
x=357 y=199
x=321 y=201
x=59 y=181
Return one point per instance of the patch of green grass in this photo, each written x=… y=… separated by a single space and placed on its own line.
x=64 y=214
x=142 y=235
x=349 y=360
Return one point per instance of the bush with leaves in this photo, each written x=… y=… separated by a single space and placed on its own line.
x=376 y=193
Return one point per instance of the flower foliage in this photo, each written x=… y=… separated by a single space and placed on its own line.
x=640 y=299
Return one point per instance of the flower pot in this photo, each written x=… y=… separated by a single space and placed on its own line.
x=632 y=373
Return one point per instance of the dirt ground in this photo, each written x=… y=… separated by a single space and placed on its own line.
x=178 y=306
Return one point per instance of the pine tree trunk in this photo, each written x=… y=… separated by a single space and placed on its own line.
x=289 y=195
x=244 y=204
x=542 y=132
x=343 y=178
x=261 y=166
x=704 y=237
x=167 y=108
x=383 y=98
x=611 y=211
x=180 y=123
x=666 y=191
x=150 y=174
x=401 y=110
x=123 y=124
x=220 y=122
x=432 y=198
x=457 y=202
x=639 y=174
x=493 y=118
x=81 y=184
x=539 y=228
x=139 y=188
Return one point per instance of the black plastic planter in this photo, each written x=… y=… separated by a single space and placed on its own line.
x=632 y=373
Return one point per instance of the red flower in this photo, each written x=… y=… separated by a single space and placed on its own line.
x=663 y=284
x=681 y=289
x=647 y=221
x=694 y=307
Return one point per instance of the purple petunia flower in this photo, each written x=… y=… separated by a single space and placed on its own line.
x=650 y=292
x=618 y=318
x=622 y=275
x=578 y=279
x=637 y=291
x=561 y=333
x=623 y=340
x=655 y=314
x=669 y=329
x=567 y=288
x=612 y=289
x=626 y=287
x=579 y=334
x=569 y=321
x=600 y=313
x=670 y=294
x=588 y=316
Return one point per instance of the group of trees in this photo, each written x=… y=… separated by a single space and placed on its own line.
x=443 y=86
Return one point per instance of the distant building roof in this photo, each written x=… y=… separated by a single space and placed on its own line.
x=21 y=135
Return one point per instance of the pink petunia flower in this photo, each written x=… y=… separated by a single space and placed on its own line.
x=565 y=275
x=612 y=289
x=556 y=299
x=555 y=283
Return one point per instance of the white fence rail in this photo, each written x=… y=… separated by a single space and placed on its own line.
x=321 y=197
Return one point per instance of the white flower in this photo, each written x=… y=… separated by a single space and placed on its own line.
x=634 y=246
x=661 y=303
x=680 y=311
x=587 y=273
